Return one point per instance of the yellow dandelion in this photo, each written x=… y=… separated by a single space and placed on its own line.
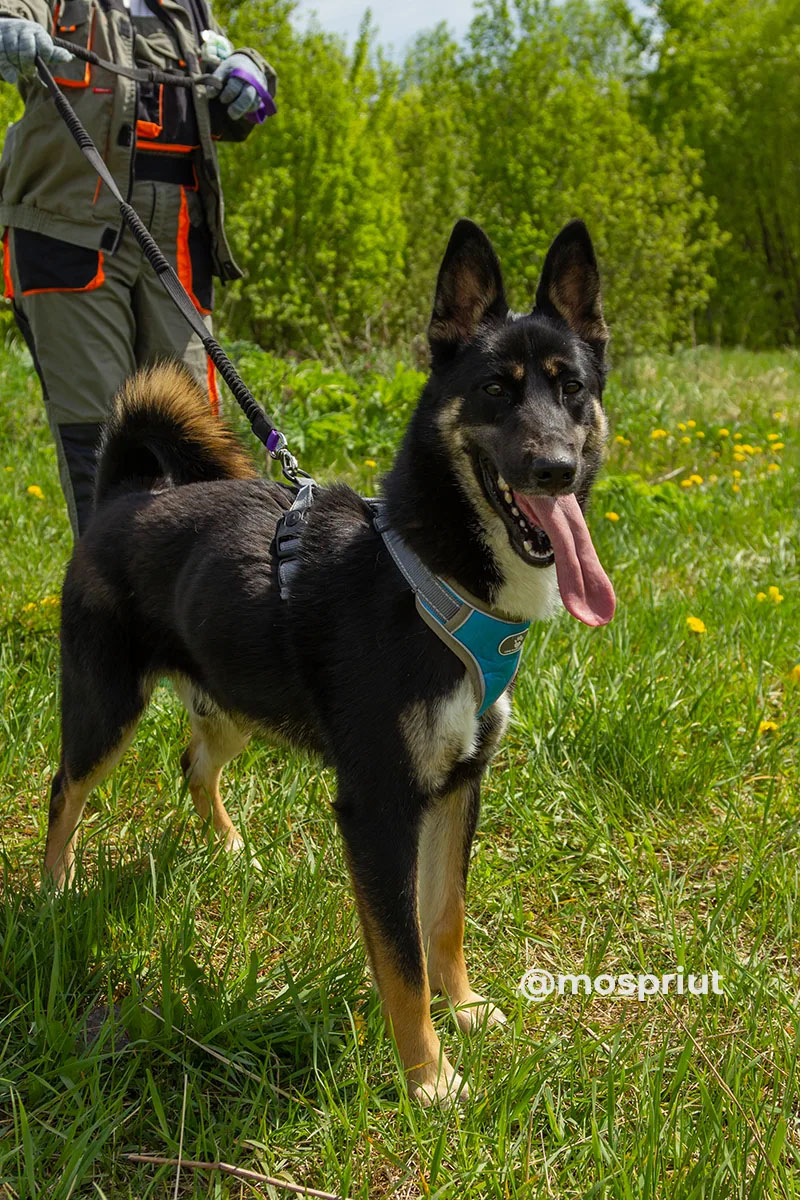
x=700 y=434
x=659 y=433
x=681 y=426
x=723 y=432
x=696 y=625
x=698 y=479
x=26 y=608
x=713 y=478
x=761 y=596
x=736 y=488
x=685 y=441
x=620 y=439
x=740 y=458
x=745 y=448
x=370 y=462
x=778 y=416
x=612 y=516
x=736 y=474
x=773 y=437
x=774 y=594
x=691 y=424
x=737 y=437
x=757 y=450
x=9 y=469
x=686 y=482
x=794 y=674
x=767 y=727
x=777 y=445
x=50 y=601
x=35 y=490
x=774 y=467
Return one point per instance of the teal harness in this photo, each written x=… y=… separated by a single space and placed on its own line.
x=488 y=646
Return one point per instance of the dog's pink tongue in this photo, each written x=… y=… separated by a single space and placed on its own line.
x=585 y=588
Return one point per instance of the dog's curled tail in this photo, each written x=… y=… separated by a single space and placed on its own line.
x=162 y=433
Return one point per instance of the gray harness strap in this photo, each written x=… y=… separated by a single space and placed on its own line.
x=288 y=534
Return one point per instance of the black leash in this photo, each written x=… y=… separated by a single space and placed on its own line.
x=266 y=433
x=139 y=74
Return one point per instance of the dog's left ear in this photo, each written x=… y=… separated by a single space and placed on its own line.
x=570 y=286
x=469 y=289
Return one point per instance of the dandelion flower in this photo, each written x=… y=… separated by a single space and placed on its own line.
x=774 y=467
x=736 y=487
x=370 y=462
x=723 y=432
x=773 y=437
x=713 y=478
x=700 y=434
x=612 y=516
x=686 y=482
x=685 y=440
x=696 y=625
x=777 y=445
x=9 y=469
x=794 y=674
x=35 y=490
x=767 y=727
x=778 y=416
x=698 y=479
x=774 y=594
x=659 y=433
x=737 y=437
x=740 y=458
x=760 y=596
x=691 y=424
x=737 y=474
x=26 y=608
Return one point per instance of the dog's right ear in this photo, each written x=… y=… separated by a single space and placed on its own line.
x=469 y=290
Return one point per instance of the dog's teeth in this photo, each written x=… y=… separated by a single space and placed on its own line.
x=523 y=524
x=507 y=497
x=515 y=510
x=502 y=484
x=527 y=546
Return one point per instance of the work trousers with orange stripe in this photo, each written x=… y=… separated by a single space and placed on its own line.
x=91 y=318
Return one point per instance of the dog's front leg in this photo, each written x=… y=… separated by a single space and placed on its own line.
x=448 y=828
x=381 y=835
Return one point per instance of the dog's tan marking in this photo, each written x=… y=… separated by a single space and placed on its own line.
x=66 y=810
x=518 y=371
x=582 y=311
x=552 y=366
x=407 y=1011
x=216 y=739
x=597 y=433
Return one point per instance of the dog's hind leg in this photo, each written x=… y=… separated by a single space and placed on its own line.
x=446 y=835
x=380 y=835
x=102 y=699
x=216 y=739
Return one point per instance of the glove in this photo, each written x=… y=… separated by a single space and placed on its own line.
x=240 y=96
x=20 y=42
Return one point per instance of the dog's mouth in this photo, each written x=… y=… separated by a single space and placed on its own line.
x=527 y=538
x=551 y=529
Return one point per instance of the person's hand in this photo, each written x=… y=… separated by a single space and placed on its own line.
x=240 y=96
x=20 y=42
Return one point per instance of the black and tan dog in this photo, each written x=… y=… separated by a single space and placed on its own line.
x=176 y=577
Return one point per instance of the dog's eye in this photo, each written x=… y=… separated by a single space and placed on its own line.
x=493 y=389
x=572 y=386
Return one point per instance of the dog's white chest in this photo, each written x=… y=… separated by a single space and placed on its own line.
x=440 y=735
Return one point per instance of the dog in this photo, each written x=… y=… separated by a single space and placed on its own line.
x=177 y=576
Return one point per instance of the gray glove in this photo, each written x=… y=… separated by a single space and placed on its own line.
x=240 y=96
x=20 y=42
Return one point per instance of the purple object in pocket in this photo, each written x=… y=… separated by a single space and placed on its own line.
x=267 y=108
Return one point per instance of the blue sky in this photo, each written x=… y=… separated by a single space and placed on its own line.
x=397 y=22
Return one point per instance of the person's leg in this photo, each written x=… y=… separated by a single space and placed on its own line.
x=179 y=228
x=73 y=307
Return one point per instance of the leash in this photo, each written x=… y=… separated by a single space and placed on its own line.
x=271 y=437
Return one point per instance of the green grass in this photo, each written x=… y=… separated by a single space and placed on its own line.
x=638 y=817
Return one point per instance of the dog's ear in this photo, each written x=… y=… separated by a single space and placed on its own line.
x=469 y=289
x=570 y=286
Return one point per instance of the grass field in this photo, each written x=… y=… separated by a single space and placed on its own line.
x=642 y=815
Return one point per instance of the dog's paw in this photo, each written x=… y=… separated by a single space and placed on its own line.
x=442 y=1086
x=472 y=1011
x=234 y=844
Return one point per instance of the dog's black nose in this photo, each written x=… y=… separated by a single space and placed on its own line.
x=553 y=473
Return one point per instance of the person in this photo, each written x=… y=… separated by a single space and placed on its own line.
x=88 y=303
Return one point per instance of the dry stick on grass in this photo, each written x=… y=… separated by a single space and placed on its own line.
x=155 y=1160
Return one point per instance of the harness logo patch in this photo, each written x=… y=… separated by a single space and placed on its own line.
x=512 y=644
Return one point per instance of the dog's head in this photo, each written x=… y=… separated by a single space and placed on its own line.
x=519 y=401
